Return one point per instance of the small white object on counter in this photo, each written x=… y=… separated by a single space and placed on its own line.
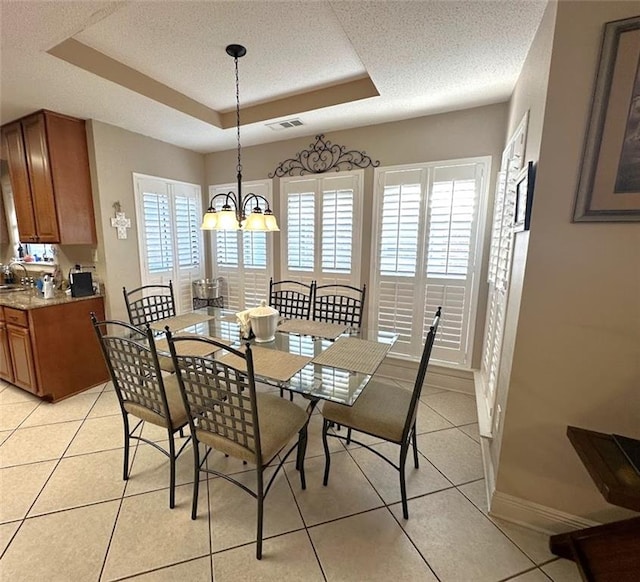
x=47 y=287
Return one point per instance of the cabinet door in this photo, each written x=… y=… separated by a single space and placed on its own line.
x=22 y=358
x=35 y=143
x=13 y=146
x=6 y=371
x=69 y=164
x=4 y=230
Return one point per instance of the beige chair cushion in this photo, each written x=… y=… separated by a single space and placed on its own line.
x=174 y=400
x=381 y=410
x=279 y=419
x=166 y=364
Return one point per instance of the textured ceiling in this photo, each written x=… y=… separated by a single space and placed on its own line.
x=423 y=57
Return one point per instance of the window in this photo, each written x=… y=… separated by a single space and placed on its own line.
x=38 y=252
x=169 y=214
x=321 y=232
x=499 y=279
x=243 y=259
x=426 y=241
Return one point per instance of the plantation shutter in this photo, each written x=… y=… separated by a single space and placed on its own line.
x=499 y=277
x=243 y=259
x=397 y=287
x=451 y=235
x=425 y=228
x=157 y=241
x=170 y=242
x=188 y=217
x=500 y=258
x=322 y=243
x=300 y=205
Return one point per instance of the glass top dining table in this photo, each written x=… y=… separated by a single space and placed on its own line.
x=315 y=381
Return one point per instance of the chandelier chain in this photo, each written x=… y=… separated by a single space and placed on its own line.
x=239 y=166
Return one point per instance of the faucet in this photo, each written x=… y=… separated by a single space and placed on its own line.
x=17 y=264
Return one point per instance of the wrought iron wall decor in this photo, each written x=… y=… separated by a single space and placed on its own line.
x=323 y=156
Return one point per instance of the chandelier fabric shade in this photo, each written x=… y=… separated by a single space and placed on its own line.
x=233 y=214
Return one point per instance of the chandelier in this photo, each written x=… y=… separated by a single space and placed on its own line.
x=233 y=214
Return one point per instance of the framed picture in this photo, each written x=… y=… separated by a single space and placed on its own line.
x=524 y=198
x=609 y=184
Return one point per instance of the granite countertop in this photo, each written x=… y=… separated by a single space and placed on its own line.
x=32 y=299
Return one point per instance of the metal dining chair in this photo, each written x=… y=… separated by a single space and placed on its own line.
x=385 y=411
x=226 y=414
x=339 y=304
x=151 y=303
x=142 y=390
x=292 y=299
x=342 y=304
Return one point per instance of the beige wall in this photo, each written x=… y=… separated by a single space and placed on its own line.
x=114 y=155
x=576 y=359
x=471 y=132
x=529 y=95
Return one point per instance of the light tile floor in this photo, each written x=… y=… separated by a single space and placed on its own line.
x=67 y=515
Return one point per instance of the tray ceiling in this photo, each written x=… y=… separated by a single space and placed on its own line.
x=160 y=68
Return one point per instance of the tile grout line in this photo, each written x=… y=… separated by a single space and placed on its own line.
x=413 y=543
x=304 y=523
x=305 y=526
x=122 y=498
x=40 y=403
x=518 y=574
x=387 y=507
x=25 y=517
x=489 y=518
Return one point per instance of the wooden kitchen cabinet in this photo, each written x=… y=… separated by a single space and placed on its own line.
x=21 y=353
x=49 y=170
x=6 y=370
x=53 y=350
x=4 y=230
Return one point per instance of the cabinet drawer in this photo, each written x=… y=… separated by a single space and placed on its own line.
x=1 y=313
x=16 y=316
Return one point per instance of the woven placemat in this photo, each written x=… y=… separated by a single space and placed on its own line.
x=191 y=348
x=316 y=328
x=180 y=321
x=272 y=364
x=356 y=355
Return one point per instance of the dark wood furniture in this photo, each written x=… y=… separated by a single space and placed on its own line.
x=52 y=351
x=6 y=371
x=19 y=339
x=609 y=552
x=4 y=230
x=49 y=170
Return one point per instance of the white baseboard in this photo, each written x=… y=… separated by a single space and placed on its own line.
x=534 y=516
x=437 y=376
